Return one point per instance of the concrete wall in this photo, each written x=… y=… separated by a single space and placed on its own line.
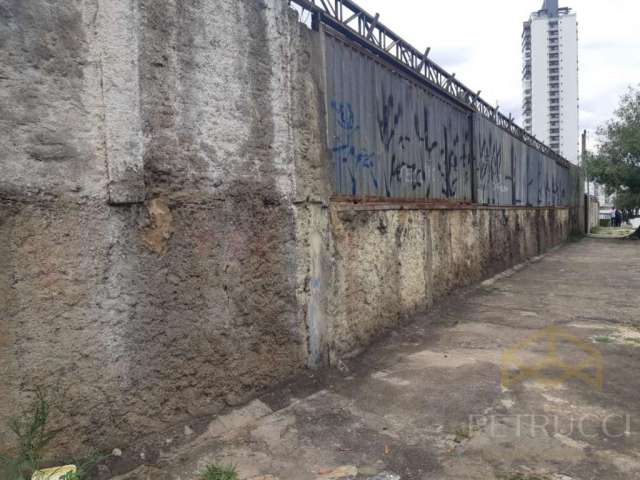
x=391 y=264
x=148 y=231
x=167 y=241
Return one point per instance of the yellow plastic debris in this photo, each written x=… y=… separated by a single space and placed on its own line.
x=340 y=472
x=54 y=473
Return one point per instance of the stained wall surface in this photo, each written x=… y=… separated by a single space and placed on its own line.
x=148 y=245
x=396 y=263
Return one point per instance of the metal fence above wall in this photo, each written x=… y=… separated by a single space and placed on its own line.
x=350 y=19
x=393 y=137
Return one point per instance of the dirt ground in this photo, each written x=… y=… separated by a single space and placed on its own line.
x=532 y=375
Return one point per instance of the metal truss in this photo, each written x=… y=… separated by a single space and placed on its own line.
x=350 y=19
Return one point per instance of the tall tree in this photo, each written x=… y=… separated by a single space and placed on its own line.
x=617 y=163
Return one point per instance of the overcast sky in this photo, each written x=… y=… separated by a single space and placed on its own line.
x=479 y=40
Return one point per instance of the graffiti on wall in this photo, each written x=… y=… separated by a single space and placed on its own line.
x=346 y=152
x=408 y=156
x=393 y=138
x=510 y=172
x=489 y=166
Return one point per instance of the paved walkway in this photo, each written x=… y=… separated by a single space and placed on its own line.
x=532 y=376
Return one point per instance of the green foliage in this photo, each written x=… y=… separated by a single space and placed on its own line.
x=84 y=467
x=612 y=232
x=627 y=200
x=30 y=429
x=32 y=439
x=217 y=472
x=617 y=163
x=604 y=339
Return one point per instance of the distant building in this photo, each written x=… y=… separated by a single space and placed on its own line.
x=550 y=78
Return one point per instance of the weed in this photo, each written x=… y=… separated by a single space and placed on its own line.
x=487 y=290
x=84 y=467
x=604 y=339
x=461 y=434
x=217 y=472
x=32 y=438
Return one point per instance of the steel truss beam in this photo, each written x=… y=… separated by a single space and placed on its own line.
x=350 y=19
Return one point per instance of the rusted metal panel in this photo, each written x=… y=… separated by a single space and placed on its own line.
x=391 y=137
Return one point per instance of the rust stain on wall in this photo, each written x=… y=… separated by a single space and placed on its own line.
x=156 y=236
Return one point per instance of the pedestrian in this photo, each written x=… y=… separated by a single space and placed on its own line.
x=612 y=214
x=618 y=216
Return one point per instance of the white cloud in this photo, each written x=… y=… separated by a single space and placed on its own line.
x=480 y=42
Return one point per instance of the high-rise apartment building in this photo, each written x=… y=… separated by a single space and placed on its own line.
x=550 y=78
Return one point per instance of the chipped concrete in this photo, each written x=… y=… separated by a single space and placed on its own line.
x=149 y=235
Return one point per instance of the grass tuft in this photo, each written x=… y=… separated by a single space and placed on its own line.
x=604 y=339
x=217 y=472
x=613 y=231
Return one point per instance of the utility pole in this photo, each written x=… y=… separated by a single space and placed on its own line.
x=583 y=159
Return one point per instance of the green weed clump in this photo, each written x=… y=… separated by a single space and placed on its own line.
x=604 y=339
x=32 y=438
x=217 y=472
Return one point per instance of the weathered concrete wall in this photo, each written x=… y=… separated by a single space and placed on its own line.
x=391 y=264
x=137 y=315
x=167 y=241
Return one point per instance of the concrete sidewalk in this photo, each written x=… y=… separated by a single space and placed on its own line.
x=456 y=395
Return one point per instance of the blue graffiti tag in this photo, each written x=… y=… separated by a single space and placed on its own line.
x=345 y=150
